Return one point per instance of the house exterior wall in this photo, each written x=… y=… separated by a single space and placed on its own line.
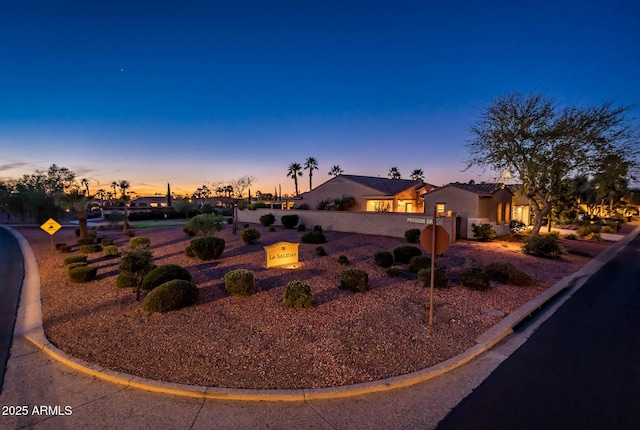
x=337 y=188
x=463 y=203
x=377 y=223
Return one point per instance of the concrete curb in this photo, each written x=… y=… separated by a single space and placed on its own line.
x=29 y=325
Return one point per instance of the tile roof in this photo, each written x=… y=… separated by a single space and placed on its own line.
x=389 y=187
x=482 y=189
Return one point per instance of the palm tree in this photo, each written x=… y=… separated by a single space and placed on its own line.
x=85 y=183
x=124 y=186
x=417 y=175
x=294 y=171
x=394 y=173
x=114 y=184
x=336 y=170
x=311 y=164
x=76 y=201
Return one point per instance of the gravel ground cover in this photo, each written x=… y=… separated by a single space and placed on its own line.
x=253 y=342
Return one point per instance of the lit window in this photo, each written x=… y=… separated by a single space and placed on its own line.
x=440 y=207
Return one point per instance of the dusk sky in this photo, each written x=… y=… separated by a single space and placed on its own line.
x=196 y=92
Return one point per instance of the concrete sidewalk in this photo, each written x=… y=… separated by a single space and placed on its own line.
x=415 y=400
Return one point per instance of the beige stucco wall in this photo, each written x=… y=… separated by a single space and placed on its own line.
x=377 y=223
x=336 y=188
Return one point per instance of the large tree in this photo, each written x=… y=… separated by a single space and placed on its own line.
x=542 y=145
x=294 y=170
x=311 y=164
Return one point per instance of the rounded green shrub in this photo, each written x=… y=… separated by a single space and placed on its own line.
x=106 y=242
x=78 y=264
x=314 y=237
x=474 y=279
x=320 y=251
x=507 y=273
x=250 y=235
x=207 y=224
x=412 y=235
x=483 y=232
x=317 y=228
x=111 y=251
x=403 y=254
x=297 y=294
x=440 y=279
x=239 y=282
x=343 y=260
x=289 y=221
x=188 y=252
x=164 y=273
x=267 y=219
x=207 y=248
x=125 y=280
x=83 y=273
x=302 y=227
x=188 y=231
x=88 y=249
x=140 y=243
x=78 y=258
x=383 y=259
x=546 y=246
x=170 y=296
x=355 y=280
x=419 y=262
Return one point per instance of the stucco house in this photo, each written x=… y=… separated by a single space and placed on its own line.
x=473 y=204
x=372 y=194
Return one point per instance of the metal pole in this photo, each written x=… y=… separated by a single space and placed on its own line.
x=433 y=264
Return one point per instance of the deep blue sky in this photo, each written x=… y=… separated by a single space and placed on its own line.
x=195 y=92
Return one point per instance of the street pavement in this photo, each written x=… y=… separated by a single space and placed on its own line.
x=42 y=393
x=580 y=370
x=11 y=272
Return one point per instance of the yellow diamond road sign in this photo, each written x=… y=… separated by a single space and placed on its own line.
x=51 y=226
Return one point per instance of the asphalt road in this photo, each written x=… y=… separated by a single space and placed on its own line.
x=579 y=370
x=12 y=270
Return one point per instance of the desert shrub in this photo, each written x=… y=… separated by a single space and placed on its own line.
x=320 y=252
x=250 y=235
x=83 y=274
x=170 y=296
x=245 y=225
x=546 y=246
x=313 y=236
x=111 y=251
x=65 y=248
x=267 y=219
x=289 y=221
x=207 y=224
x=78 y=264
x=343 y=260
x=440 y=279
x=59 y=245
x=88 y=249
x=140 y=243
x=483 y=232
x=302 y=227
x=317 y=228
x=571 y=236
x=207 y=248
x=297 y=294
x=587 y=230
x=164 y=273
x=78 y=258
x=474 y=279
x=394 y=272
x=106 y=242
x=507 y=273
x=272 y=228
x=138 y=262
x=517 y=227
x=77 y=232
x=595 y=237
x=131 y=232
x=188 y=252
x=383 y=259
x=188 y=231
x=125 y=280
x=355 y=280
x=403 y=254
x=419 y=262
x=412 y=235
x=239 y=282
x=607 y=229
x=87 y=241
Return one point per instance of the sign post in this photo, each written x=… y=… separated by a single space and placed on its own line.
x=435 y=240
x=51 y=226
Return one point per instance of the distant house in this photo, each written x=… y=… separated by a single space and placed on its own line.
x=473 y=204
x=149 y=202
x=370 y=193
